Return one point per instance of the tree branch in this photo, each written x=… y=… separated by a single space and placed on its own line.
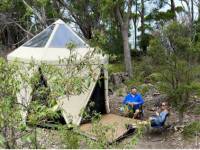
x=23 y=29
x=41 y=19
x=119 y=15
x=130 y=2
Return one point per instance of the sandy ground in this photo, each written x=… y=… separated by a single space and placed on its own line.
x=156 y=139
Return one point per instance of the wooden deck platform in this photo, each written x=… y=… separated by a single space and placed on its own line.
x=118 y=127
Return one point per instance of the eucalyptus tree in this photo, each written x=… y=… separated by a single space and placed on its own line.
x=123 y=18
x=105 y=23
x=84 y=13
x=135 y=17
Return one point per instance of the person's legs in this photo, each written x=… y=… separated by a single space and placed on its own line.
x=125 y=110
x=136 y=113
x=154 y=121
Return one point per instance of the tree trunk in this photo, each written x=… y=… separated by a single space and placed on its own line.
x=135 y=34
x=5 y=136
x=127 y=54
x=86 y=30
x=135 y=25
x=124 y=25
x=173 y=9
x=199 y=12
x=9 y=38
x=192 y=10
x=142 y=27
x=13 y=141
x=180 y=117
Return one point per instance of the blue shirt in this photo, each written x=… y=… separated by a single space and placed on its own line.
x=135 y=99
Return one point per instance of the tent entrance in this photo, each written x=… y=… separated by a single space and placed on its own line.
x=96 y=104
x=98 y=96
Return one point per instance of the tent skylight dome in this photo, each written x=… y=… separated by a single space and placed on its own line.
x=57 y=35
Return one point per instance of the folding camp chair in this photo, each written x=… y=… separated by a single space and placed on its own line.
x=162 y=126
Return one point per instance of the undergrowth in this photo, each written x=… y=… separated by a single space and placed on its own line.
x=191 y=129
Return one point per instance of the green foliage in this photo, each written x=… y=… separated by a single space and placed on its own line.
x=107 y=36
x=89 y=112
x=161 y=16
x=191 y=129
x=5 y=5
x=144 y=39
x=9 y=110
x=131 y=82
x=130 y=144
x=110 y=41
x=138 y=134
x=155 y=77
x=196 y=109
x=156 y=51
x=179 y=70
x=113 y=68
x=69 y=137
x=48 y=6
x=100 y=130
x=142 y=69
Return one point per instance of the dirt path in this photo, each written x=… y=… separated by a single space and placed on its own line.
x=166 y=141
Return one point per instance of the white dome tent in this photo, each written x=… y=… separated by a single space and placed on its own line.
x=49 y=46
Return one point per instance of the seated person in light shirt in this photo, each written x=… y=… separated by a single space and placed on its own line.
x=133 y=101
x=160 y=117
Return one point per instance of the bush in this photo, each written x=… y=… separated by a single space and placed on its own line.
x=113 y=68
x=196 y=110
x=191 y=129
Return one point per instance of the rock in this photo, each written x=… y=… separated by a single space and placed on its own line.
x=118 y=78
x=151 y=89
x=153 y=96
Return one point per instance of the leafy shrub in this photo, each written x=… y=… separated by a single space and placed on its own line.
x=196 y=110
x=191 y=129
x=69 y=138
x=113 y=68
x=155 y=77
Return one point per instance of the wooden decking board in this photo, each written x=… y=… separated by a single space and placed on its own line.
x=118 y=123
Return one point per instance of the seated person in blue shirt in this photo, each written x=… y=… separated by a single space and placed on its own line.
x=160 y=117
x=133 y=101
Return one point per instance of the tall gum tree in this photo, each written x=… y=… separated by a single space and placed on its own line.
x=123 y=18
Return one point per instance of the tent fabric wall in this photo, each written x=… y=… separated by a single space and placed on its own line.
x=30 y=51
x=74 y=105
